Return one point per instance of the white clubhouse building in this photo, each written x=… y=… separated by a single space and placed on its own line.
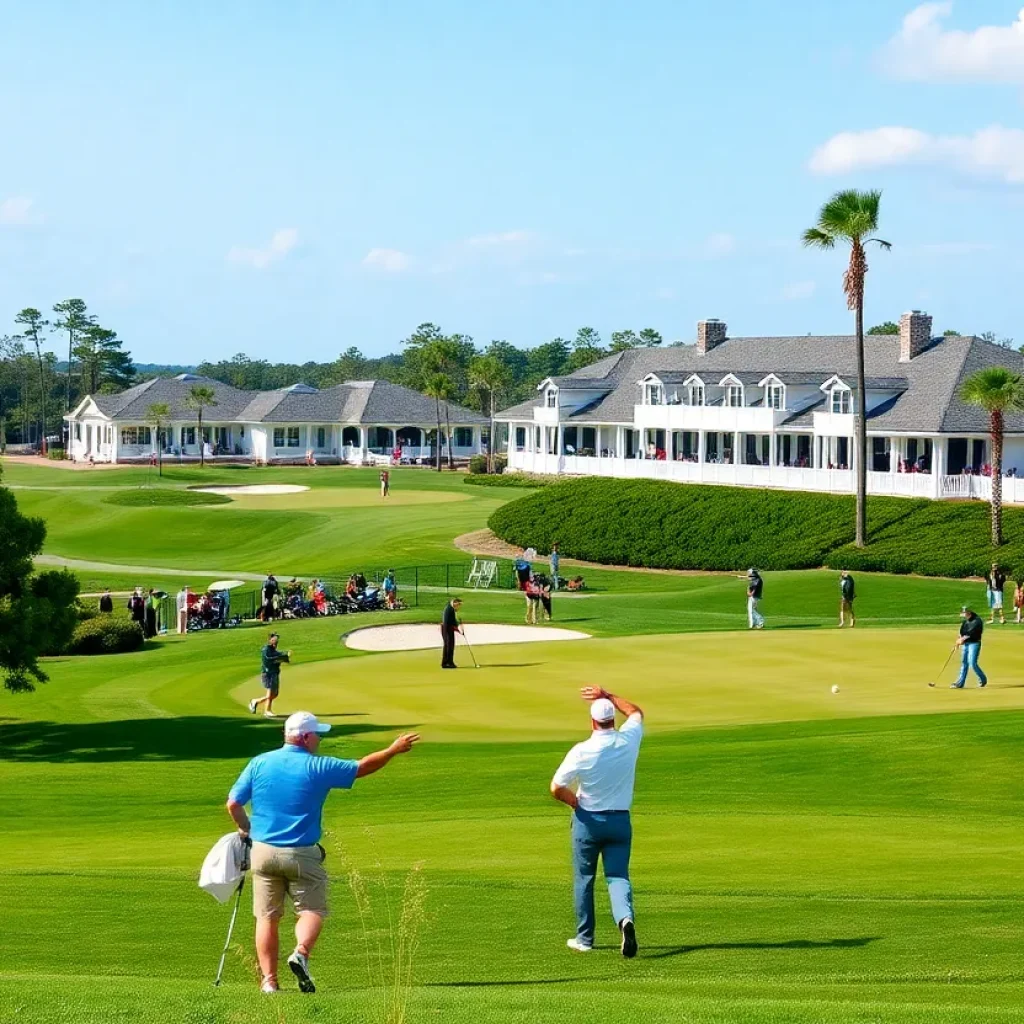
x=776 y=412
x=357 y=422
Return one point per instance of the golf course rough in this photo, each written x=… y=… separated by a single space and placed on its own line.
x=798 y=857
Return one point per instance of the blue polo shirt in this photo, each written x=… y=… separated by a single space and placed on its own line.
x=287 y=789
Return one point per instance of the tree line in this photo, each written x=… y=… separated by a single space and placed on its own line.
x=36 y=389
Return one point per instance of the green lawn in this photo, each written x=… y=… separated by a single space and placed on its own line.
x=800 y=856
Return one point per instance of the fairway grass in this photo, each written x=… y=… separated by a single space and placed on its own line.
x=800 y=856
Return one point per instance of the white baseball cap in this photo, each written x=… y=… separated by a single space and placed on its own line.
x=303 y=722
x=602 y=710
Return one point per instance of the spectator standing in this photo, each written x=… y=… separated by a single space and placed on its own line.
x=271 y=589
x=847 y=592
x=969 y=643
x=995 y=582
x=149 y=624
x=107 y=604
x=532 y=600
x=755 y=588
x=554 y=565
x=545 y=598
x=137 y=608
x=1018 y=597
x=181 y=605
x=385 y=483
x=390 y=590
x=523 y=570
x=271 y=660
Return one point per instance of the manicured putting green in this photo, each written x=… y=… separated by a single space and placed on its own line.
x=152 y=498
x=319 y=499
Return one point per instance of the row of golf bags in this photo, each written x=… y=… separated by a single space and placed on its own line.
x=211 y=611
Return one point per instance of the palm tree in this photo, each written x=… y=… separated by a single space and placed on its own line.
x=997 y=390
x=490 y=374
x=439 y=387
x=158 y=414
x=200 y=397
x=852 y=217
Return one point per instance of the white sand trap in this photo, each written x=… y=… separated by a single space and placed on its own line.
x=233 y=489
x=424 y=636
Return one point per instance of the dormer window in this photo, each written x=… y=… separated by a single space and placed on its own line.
x=841 y=402
x=551 y=398
x=775 y=396
x=696 y=394
x=734 y=396
x=653 y=394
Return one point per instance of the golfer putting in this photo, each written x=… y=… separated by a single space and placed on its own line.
x=271 y=660
x=450 y=625
x=596 y=781
x=287 y=789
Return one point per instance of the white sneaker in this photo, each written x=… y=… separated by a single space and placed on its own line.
x=253 y=705
x=299 y=963
x=268 y=987
x=269 y=714
x=580 y=947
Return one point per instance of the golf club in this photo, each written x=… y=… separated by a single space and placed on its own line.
x=234 y=914
x=476 y=664
x=944 y=664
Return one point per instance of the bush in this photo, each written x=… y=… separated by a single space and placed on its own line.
x=500 y=463
x=478 y=464
x=144 y=497
x=106 y=635
x=657 y=524
x=512 y=480
x=57 y=454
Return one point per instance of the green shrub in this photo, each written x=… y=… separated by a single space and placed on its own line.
x=106 y=635
x=512 y=480
x=146 y=497
x=658 y=524
x=57 y=454
x=477 y=464
x=500 y=463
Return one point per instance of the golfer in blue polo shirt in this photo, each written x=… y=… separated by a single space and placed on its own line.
x=287 y=789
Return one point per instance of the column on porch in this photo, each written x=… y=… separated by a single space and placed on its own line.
x=560 y=440
x=939 y=462
x=772 y=455
x=362 y=441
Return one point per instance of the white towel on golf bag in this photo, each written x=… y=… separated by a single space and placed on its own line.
x=223 y=867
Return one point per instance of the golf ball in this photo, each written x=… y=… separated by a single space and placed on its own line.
x=835 y=689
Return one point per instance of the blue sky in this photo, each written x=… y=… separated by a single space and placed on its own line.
x=291 y=179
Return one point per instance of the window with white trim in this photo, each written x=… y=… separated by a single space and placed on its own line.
x=188 y=436
x=734 y=396
x=653 y=394
x=696 y=394
x=551 y=398
x=775 y=396
x=321 y=437
x=842 y=402
x=135 y=435
x=463 y=437
x=520 y=439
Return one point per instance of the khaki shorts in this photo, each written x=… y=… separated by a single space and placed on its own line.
x=296 y=871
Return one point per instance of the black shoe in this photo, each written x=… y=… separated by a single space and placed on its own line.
x=629 y=946
x=300 y=968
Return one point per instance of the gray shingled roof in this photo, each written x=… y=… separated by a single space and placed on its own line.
x=364 y=402
x=927 y=386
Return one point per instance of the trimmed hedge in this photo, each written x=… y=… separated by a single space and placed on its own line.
x=657 y=524
x=106 y=635
x=511 y=480
x=150 y=498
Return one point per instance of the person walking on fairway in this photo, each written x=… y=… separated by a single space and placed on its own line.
x=847 y=592
x=271 y=659
x=287 y=789
x=755 y=587
x=555 y=559
x=969 y=643
x=450 y=625
x=995 y=582
x=385 y=483
x=596 y=781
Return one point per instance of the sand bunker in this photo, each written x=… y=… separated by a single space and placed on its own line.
x=423 y=636
x=232 y=489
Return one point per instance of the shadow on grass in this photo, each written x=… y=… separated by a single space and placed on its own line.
x=800 y=944
x=190 y=738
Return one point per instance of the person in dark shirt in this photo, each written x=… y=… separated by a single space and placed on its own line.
x=106 y=603
x=755 y=587
x=450 y=625
x=271 y=660
x=969 y=643
x=995 y=582
x=847 y=592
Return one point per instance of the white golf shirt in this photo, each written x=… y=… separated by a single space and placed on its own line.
x=603 y=769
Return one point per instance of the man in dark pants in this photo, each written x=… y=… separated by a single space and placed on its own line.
x=969 y=643
x=596 y=781
x=847 y=593
x=449 y=627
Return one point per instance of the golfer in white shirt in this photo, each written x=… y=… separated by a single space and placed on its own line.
x=596 y=781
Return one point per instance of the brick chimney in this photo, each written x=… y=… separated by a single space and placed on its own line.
x=710 y=334
x=915 y=334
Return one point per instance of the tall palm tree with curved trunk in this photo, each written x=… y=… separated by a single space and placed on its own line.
x=852 y=217
x=489 y=374
x=439 y=387
x=998 y=391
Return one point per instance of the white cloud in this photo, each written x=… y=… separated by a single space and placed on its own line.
x=500 y=238
x=799 y=290
x=993 y=153
x=924 y=50
x=391 y=261
x=17 y=210
x=720 y=244
x=282 y=243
